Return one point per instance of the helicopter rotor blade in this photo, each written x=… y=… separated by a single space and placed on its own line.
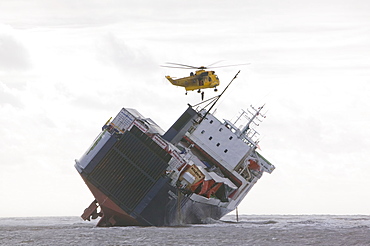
x=210 y=65
x=230 y=65
x=177 y=67
x=182 y=65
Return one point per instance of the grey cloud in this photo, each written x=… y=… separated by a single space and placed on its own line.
x=13 y=56
x=8 y=98
x=116 y=52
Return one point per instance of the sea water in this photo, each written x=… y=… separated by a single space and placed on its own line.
x=249 y=230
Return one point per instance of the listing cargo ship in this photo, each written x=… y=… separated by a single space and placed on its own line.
x=197 y=171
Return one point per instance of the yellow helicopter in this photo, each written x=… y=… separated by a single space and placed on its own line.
x=201 y=79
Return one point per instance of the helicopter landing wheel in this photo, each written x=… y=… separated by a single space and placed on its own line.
x=215 y=89
x=186 y=93
x=198 y=91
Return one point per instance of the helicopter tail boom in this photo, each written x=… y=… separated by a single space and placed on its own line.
x=171 y=80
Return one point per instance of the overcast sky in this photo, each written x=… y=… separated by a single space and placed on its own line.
x=66 y=67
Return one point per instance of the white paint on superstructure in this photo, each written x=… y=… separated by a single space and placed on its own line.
x=220 y=141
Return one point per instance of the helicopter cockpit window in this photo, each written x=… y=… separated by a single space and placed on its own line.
x=209 y=79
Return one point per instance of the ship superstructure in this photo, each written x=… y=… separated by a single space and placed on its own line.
x=201 y=168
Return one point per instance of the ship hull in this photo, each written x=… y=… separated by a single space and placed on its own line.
x=168 y=207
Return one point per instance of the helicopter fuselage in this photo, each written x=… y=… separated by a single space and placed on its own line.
x=202 y=79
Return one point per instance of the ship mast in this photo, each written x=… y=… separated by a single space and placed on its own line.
x=252 y=118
